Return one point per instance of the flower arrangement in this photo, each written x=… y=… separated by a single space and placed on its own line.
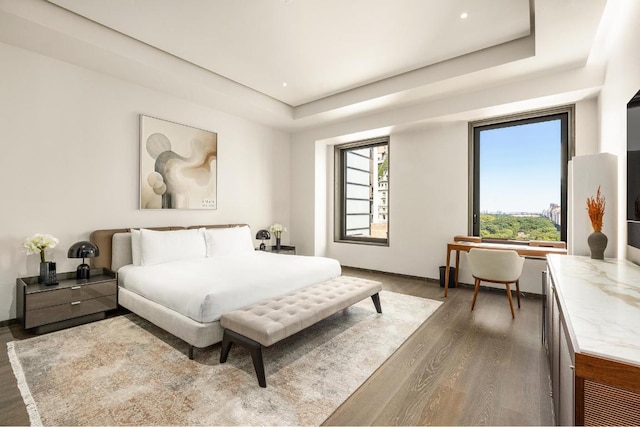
x=595 y=207
x=38 y=243
x=277 y=230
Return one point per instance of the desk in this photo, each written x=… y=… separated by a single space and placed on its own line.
x=522 y=250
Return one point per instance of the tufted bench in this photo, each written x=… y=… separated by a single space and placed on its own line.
x=267 y=322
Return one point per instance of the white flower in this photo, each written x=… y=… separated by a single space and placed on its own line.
x=38 y=243
x=277 y=229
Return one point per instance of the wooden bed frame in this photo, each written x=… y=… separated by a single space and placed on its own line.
x=194 y=333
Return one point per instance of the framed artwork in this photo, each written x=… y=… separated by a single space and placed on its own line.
x=178 y=166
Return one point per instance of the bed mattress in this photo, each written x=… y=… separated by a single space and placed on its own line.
x=203 y=289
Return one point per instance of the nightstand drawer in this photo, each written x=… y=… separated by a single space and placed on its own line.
x=57 y=297
x=70 y=310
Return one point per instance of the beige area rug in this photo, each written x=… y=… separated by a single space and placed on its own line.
x=125 y=371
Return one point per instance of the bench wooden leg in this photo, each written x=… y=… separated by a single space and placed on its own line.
x=254 y=347
x=226 y=347
x=376 y=302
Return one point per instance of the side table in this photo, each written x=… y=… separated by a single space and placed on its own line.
x=69 y=303
x=286 y=250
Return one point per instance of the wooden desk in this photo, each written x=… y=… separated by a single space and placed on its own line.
x=522 y=250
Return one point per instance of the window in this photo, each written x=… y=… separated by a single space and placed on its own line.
x=362 y=191
x=519 y=187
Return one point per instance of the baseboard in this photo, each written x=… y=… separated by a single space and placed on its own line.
x=8 y=322
x=408 y=276
x=460 y=284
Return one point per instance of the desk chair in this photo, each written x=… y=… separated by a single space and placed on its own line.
x=496 y=266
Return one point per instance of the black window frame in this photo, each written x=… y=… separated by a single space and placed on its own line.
x=566 y=115
x=340 y=232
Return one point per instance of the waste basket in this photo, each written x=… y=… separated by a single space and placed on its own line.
x=452 y=276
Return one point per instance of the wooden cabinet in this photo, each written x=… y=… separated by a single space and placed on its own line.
x=560 y=354
x=70 y=302
x=595 y=376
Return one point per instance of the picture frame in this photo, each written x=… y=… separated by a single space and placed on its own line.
x=178 y=166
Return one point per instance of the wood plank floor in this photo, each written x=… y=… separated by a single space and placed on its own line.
x=459 y=368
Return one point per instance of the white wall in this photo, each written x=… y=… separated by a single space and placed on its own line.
x=70 y=161
x=622 y=81
x=427 y=202
x=429 y=191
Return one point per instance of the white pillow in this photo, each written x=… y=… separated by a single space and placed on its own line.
x=157 y=247
x=229 y=241
x=135 y=246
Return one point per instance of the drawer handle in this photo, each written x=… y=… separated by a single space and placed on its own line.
x=76 y=302
x=76 y=287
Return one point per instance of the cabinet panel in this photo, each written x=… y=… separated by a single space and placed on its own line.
x=566 y=375
x=555 y=357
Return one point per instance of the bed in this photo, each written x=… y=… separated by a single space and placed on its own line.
x=187 y=296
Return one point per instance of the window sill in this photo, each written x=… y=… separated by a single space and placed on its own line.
x=362 y=242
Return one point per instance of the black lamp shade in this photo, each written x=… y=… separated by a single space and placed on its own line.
x=263 y=235
x=83 y=250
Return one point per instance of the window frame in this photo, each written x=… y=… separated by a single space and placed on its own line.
x=566 y=114
x=340 y=235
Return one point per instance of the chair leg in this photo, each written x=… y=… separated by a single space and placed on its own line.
x=518 y=291
x=513 y=313
x=475 y=294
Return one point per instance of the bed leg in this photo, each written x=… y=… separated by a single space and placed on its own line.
x=190 y=352
x=376 y=302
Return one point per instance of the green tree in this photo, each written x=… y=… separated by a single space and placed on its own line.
x=514 y=227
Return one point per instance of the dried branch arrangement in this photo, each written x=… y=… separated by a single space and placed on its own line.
x=595 y=207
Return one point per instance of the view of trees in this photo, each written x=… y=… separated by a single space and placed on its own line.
x=518 y=227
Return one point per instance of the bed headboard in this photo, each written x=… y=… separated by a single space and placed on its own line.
x=104 y=240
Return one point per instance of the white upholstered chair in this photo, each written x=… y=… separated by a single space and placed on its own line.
x=496 y=266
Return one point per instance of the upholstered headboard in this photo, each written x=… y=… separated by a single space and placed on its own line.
x=104 y=240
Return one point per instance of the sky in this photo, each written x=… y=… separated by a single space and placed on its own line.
x=520 y=167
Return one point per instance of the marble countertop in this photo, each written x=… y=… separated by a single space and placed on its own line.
x=601 y=299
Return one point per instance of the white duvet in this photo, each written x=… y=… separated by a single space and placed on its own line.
x=205 y=288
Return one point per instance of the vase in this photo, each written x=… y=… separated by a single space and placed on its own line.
x=48 y=273
x=277 y=243
x=597 y=244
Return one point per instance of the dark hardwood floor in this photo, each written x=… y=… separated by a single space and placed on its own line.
x=459 y=368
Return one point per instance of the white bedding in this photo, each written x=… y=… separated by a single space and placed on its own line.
x=205 y=288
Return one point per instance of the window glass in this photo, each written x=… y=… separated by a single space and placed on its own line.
x=520 y=179
x=362 y=199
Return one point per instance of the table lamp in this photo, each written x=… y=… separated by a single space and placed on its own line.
x=263 y=235
x=83 y=250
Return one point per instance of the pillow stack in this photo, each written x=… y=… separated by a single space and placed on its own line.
x=150 y=247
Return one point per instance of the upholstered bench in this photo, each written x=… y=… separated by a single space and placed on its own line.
x=267 y=322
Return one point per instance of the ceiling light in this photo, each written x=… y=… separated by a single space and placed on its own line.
x=464 y=15
x=284 y=84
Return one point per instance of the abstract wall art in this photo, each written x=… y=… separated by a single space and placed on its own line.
x=178 y=166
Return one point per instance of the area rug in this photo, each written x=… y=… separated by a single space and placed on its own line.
x=125 y=371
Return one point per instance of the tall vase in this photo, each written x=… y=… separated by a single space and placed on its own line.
x=277 y=243
x=597 y=244
x=48 y=273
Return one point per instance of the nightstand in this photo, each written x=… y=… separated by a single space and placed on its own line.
x=287 y=250
x=69 y=303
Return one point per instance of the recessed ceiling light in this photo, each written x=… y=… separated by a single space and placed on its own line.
x=464 y=15
x=284 y=84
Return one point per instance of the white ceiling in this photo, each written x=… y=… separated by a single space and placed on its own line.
x=370 y=63
x=317 y=47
